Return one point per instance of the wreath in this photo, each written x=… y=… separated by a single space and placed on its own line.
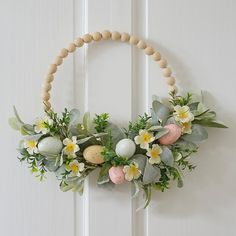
x=150 y=153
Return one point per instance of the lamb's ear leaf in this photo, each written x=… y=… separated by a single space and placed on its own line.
x=167 y=156
x=136 y=189
x=140 y=159
x=198 y=134
x=150 y=173
x=161 y=110
x=14 y=123
x=17 y=115
x=104 y=174
x=161 y=133
x=86 y=121
x=210 y=123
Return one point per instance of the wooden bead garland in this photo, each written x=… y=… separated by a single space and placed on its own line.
x=97 y=36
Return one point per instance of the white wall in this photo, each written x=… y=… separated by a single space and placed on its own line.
x=199 y=40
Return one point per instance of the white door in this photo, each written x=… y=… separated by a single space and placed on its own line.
x=198 y=39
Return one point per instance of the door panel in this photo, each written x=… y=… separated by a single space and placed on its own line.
x=198 y=40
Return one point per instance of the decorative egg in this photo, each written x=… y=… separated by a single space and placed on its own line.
x=116 y=174
x=93 y=154
x=172 y=136
x=125 y=148
x=50 y=146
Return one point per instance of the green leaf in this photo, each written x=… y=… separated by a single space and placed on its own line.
x=210 y=123
x=116 y=133
x=198 y=134
x=148 y=193
x=17 y=115
x=167 y=156
x=151 y=173
x=50 y=165
x=161 y=133
x=86 y=121
x=140 y=160
x=104 y=174
x=136 y=189
x=84 y=140
x=160 y=110
x=14 y=123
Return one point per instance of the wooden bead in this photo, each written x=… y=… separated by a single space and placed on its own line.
x=115 y=35
x=87 y=38
x=149 y=50
x=58 y=60
x=106 y=34
x=49 y=78
x=167 y=72
x=97 y=36
x=173 y=88
x=45 y=96
x=125 y=37
x=156 y=56
x=71 y=47
x=170 y=80
x=47 y=87
x=47 y=105
x=63 y=53
x=79 y=42
x=141 y=44
x=163 y=63
x=133 y=40
x=52 y=69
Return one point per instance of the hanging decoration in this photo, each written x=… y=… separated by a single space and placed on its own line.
x=150 y=153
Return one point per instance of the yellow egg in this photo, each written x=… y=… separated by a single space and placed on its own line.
x=93 y=154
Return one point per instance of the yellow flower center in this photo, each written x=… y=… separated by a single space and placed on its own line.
x=70 y=147
x=133 y=170
x=31 y=143
x=183 y=115
x=146 y=137
x=155 y=153
x=74 y=168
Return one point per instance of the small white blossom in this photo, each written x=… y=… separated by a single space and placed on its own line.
x=183 y=114
x=131 y=171
x=71 y=146
x=154 y=154
x=31 y=146
x=75 y=167
x=144 y=138
x=42 y=125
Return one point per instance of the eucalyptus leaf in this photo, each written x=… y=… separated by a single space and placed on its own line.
x=198 y=134
x=104 y=174
x=140 y=160
x=167 y=156
x=160 y=110
x=74 y=116
x=151 y=173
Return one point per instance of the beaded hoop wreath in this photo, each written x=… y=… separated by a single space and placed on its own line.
x=150 y=153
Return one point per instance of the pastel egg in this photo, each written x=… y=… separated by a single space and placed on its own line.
x=125 y=148
x=116 y=174
x=50 y=146
x=93 y=154
x=172 y=136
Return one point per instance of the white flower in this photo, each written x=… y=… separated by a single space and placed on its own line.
x=154 y=154
x=42 y=125
x=131 y=171
x=144 y=138
x=186 y=128
x=71 y=146
x=31 y=146
x=183 y=114
x=75 y=167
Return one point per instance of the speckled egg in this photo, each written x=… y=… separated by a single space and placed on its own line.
x=172 y=136
x=116 y=174
x=50 y=145
x=125 y=148
x=93 y=154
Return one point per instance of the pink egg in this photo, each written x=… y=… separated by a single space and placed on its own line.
x=172 y=136
x=116 y=174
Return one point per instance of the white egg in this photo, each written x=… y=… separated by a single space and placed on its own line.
x=50 y=146
x=125 y=148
